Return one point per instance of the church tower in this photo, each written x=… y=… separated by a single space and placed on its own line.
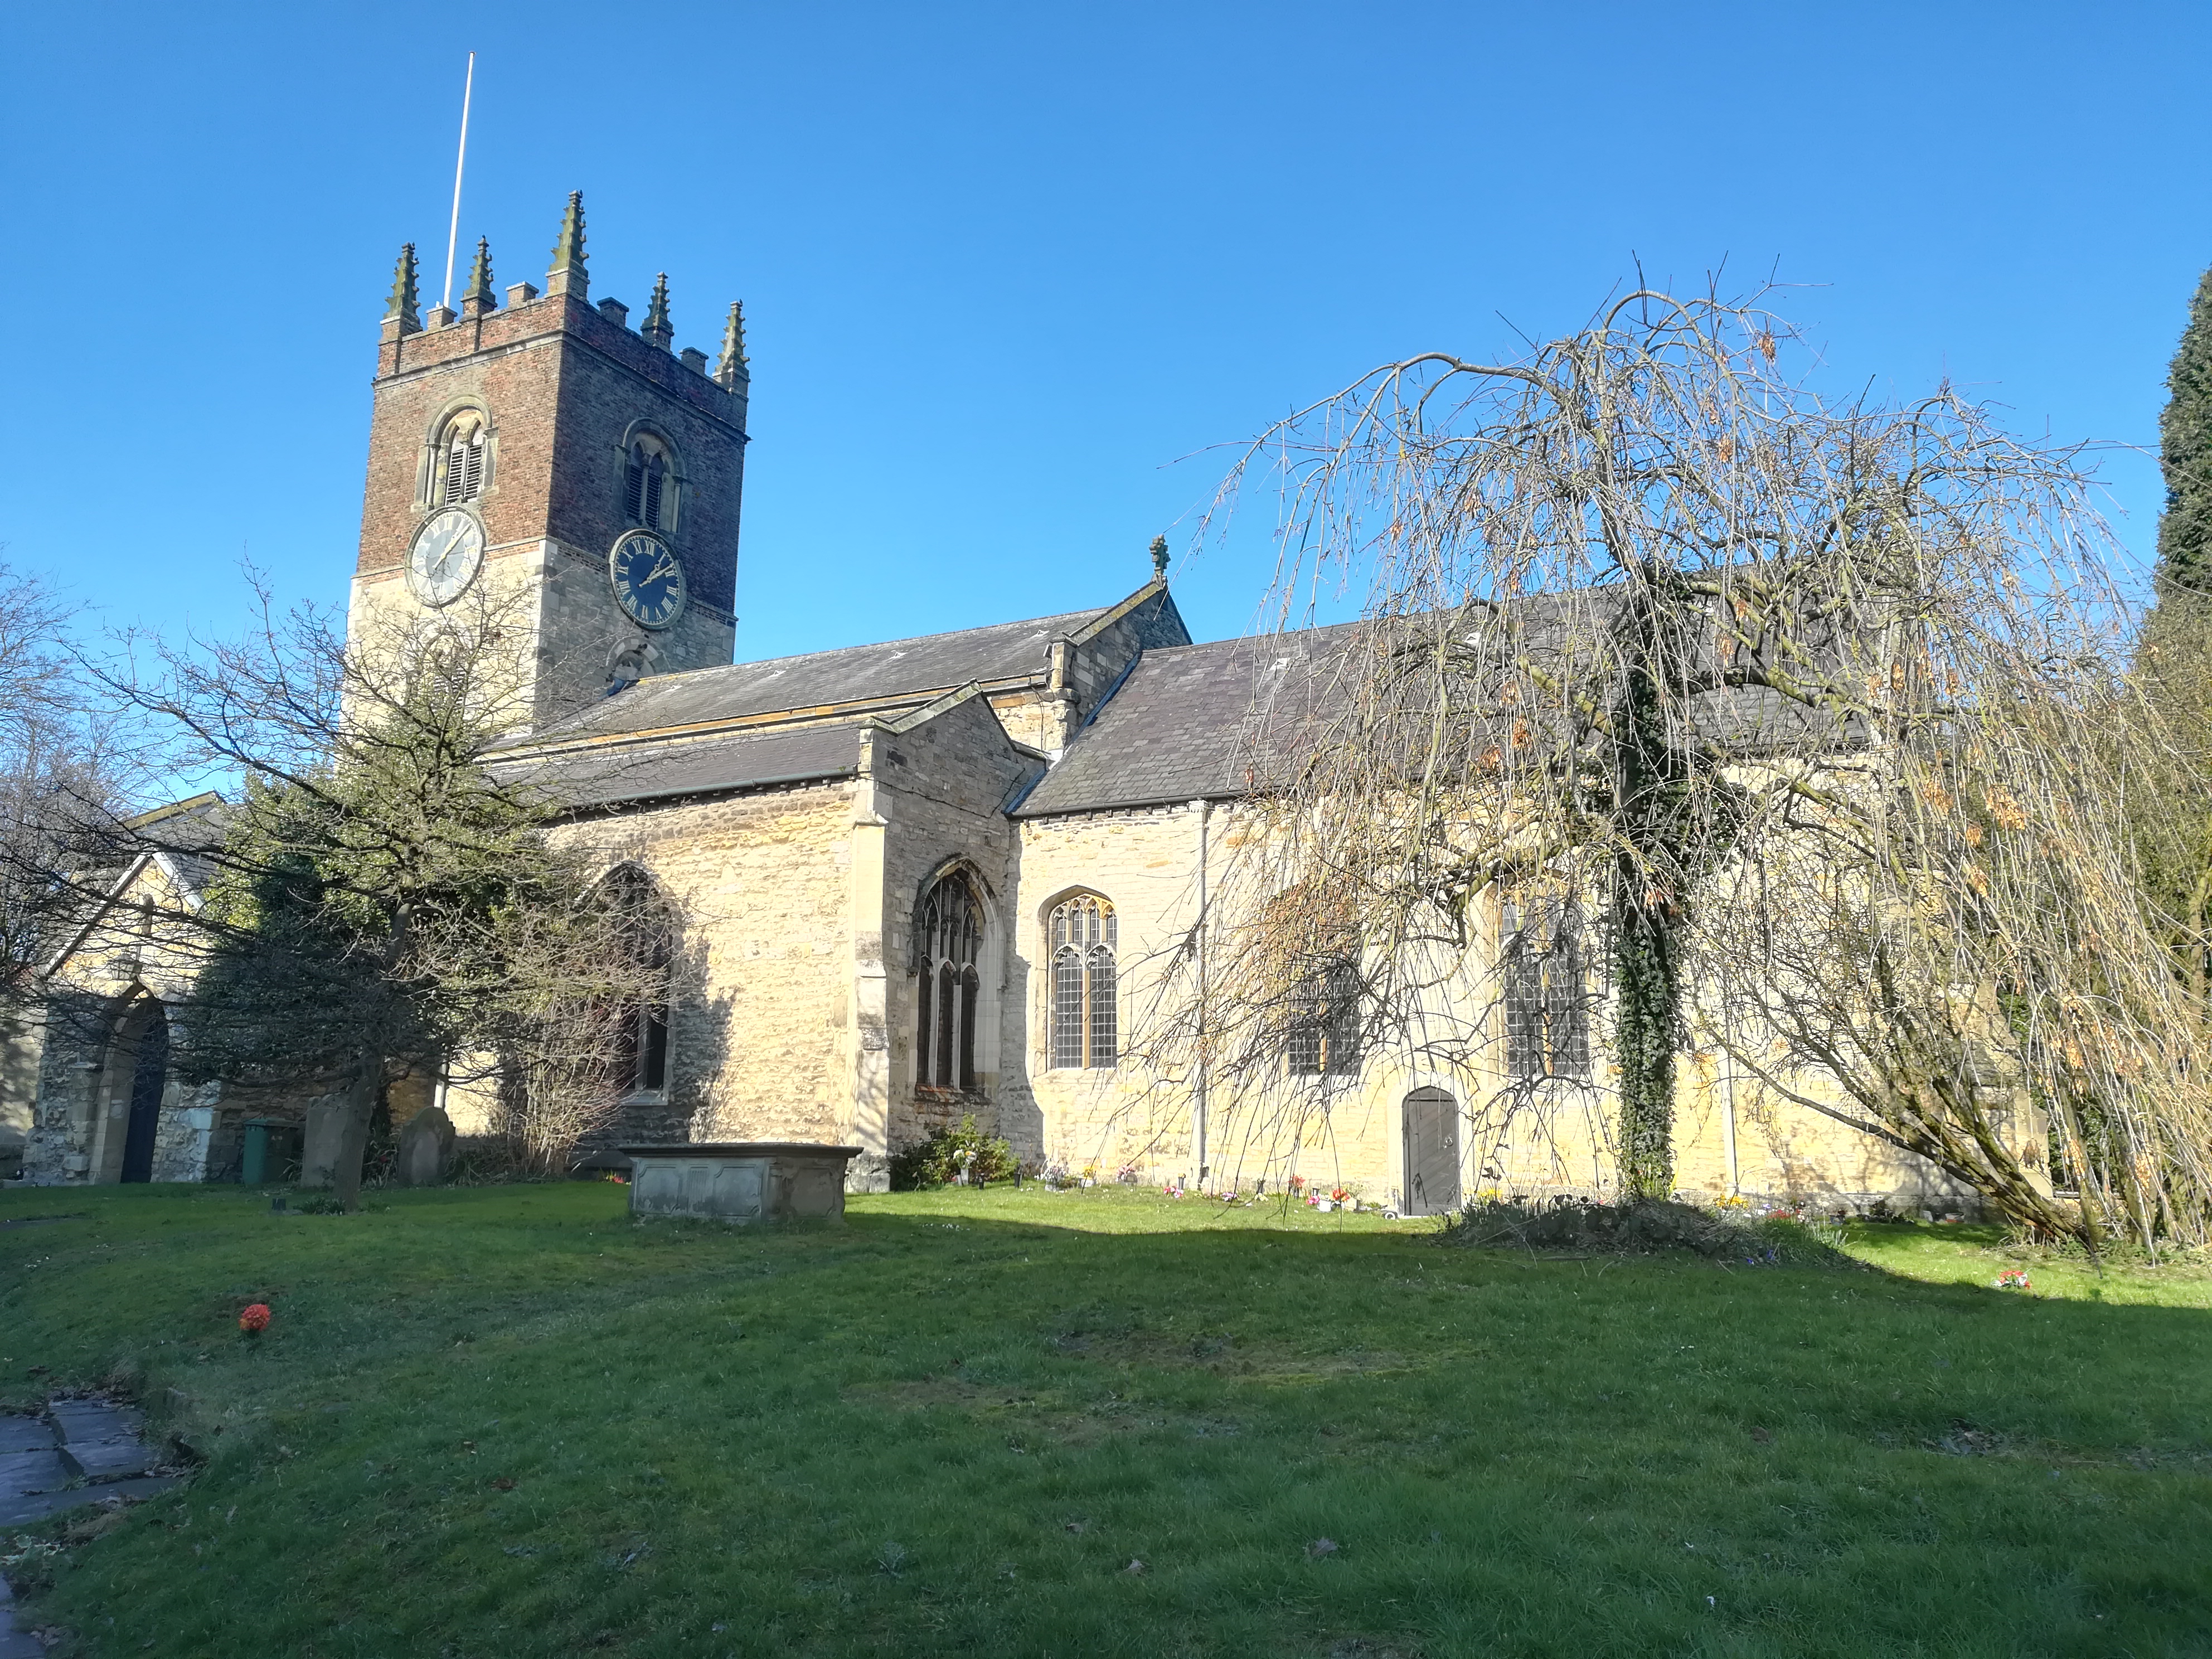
x=542 y=461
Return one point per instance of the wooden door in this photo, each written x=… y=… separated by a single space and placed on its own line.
x=147 y=1074
x=1431 y=1152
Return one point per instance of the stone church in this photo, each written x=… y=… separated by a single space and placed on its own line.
x=905 y=882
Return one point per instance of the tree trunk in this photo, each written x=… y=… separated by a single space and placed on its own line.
x=353 y=1133
x=1651 y=775
x=1647 y=988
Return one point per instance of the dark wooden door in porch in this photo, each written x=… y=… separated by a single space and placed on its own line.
x=147 y=1074
x=1431 y=1152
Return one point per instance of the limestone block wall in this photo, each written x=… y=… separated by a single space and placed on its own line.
x=21 y=1040
x=761 y=886
x=939 y=786
x=1733 y=1134
x=1145 y=864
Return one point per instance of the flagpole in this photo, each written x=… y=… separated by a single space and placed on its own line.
x=454 y=231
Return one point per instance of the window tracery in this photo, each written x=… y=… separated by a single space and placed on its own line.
x=645 y=932
x=1325 y=1034
x=1545 y=967
x=948 y=943
x=1083 y=934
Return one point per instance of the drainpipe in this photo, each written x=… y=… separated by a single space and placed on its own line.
x=1727 y=1118
x=1198 y=1124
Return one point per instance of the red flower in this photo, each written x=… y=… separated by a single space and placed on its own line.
x=255 y=1318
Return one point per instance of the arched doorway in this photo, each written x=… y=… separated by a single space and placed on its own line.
x=1431 y=1152
x=148 y=1047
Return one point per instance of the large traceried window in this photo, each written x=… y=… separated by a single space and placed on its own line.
x=645 y=932
x=948 y=943
x=649 y=484
x=1325 y=1023
x=1545 y=968
x=1084 y=1031
x=461 y=474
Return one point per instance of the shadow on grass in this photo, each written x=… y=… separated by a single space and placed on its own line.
x=555 y=1426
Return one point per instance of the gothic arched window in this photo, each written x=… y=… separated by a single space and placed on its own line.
x=948 y=939
x=1546 y=970
x=645 y=936
x=461 y=468
x=650 y=483
x=1084 y=1030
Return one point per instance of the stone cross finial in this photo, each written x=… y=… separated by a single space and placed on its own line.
x=400 y=308
x=732 y=368
x=656 y=328
x=478 y=298
x=568 y=274
x=1159 y=558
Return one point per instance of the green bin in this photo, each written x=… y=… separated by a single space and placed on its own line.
x=272 y=1150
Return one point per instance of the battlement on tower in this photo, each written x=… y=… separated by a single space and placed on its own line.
x=560 y=430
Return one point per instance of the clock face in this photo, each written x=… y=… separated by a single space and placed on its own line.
x=448 y=552
x=648 y=579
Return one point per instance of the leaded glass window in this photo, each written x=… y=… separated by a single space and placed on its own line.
x=645 y=932
x=1085 y=1030
x=1546 y=974
x=948 y=941
x=1325 y=1024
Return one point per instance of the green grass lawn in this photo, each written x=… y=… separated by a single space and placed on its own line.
x=503 y=1422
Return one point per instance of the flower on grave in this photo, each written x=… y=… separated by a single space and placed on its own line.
x=1296 y=1182
x=2013 y=1278
x=1338 y=1195
x=255 y=1318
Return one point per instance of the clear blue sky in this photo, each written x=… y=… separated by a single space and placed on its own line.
x=1004 y=265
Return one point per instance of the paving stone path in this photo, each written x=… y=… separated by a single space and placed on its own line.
x=81 y=1452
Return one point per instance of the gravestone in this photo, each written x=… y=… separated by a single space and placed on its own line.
x=426 y=1149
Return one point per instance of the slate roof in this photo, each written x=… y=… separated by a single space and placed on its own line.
x=1197 y=721
x=898 y=670
x=1224 y=719
x=185 y=833
x=613 y=775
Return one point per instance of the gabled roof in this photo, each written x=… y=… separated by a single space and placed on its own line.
x=1240 y=717
x=1198 y=722
x=893 y=674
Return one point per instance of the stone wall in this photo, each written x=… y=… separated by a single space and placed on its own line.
x=21 y=1039
x=761 y=886
x=1732 y=1133
x=941 y=780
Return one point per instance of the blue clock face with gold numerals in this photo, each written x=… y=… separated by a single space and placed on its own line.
x=648 y=579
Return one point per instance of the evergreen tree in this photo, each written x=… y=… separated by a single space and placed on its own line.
x=2184 y=431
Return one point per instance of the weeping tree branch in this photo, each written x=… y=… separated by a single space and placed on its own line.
x=1821 y=709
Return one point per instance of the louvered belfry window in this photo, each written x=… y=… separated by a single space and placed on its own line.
x=1085 y=1032
x=1546 y=970
x=645 y=487
x=465 y=465
x=948 y=941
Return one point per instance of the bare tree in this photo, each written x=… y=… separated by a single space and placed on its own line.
x=386 y=900
x=59 y=786
x=1815 y=711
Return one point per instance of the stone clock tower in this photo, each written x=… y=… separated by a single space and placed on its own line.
x=542 y=462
